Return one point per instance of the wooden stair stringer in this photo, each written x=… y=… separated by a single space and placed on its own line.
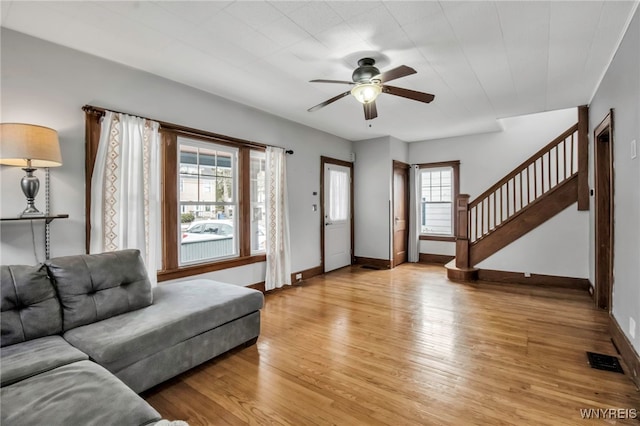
x=526 y=220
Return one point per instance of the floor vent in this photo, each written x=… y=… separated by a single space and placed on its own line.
x=604 y=362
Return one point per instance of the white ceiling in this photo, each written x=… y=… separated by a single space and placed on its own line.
x=483 y=60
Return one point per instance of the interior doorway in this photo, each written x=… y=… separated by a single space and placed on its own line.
x=603 y=165
x=336 y=200
x=400 y=221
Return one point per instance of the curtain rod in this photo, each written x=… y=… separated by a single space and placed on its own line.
x=99 y=111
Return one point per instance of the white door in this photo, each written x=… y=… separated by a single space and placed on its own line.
x=337 y=216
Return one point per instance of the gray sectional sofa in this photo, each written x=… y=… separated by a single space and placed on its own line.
x=83 y=335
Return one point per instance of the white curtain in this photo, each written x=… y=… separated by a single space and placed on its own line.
x=414 y=214
x=339 y=195
x=125 y=189
x=278 y=251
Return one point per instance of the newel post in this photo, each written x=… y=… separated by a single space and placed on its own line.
x=462 y=231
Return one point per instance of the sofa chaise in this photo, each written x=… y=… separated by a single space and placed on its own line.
x=83 y=335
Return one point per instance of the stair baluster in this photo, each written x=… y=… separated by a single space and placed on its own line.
x=554 y=168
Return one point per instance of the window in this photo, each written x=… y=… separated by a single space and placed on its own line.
x=208 y=201
x=438 y=188
x=214 y=193
x=339 y=195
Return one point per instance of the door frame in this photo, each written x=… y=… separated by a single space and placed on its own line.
x=328 y=160
x=398 y=165
x=604 y=226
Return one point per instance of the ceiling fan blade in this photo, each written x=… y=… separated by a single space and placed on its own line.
x=409 y=94
x=401 y=71
x=329 y=101
x=370 y=110
x=331 y=81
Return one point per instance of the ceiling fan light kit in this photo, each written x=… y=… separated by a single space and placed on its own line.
x=368 y=83
x=366 y=92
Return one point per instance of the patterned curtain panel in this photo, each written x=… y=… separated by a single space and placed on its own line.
x=125 y=189
x=277 y=244
x=414 y=215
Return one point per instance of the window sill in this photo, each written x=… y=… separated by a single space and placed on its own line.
x=450 y=238
x=203 y=268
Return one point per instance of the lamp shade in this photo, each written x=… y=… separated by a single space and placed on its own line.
x=21 y=142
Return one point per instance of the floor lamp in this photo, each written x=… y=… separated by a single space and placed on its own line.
x=29 y=146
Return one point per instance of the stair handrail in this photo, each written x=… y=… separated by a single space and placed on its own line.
x=525 y=164
x=524 y=185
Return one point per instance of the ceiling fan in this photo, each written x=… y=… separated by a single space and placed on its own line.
x=368 y=82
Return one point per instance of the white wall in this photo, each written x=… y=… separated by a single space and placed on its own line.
x=558 y=247
x=486 y=158
x=399 y=150
x=620 y=90
x=46 y=84
x=372 y=188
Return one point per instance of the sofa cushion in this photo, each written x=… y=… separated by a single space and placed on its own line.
x=30 y=308
x=176 y=359
x=179 y=312
x=36 y=356
x=94 y=287
x=82 y=393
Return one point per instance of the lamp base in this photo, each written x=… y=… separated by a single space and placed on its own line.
x=30 y=185
x=28 y=212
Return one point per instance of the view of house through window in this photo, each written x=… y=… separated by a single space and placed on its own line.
x=208 y=201
x=436 y=207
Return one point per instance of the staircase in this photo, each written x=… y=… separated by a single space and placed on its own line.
x=535 y=191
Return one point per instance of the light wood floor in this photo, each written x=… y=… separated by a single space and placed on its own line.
x=408 y=347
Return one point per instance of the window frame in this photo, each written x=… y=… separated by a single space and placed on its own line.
x=170 y=205
x=234 y=155
x=455 y=166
